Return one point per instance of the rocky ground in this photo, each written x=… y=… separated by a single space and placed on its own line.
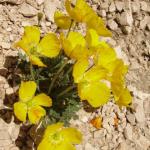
x=126 y=129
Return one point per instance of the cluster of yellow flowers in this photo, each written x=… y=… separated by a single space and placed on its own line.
x=97 y=71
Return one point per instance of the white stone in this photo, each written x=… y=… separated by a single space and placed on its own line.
x=119 y=5
x=144 y=6
x=88 y=146
x=5 y=45
x=50 y=7
x=112 y=25
x=112 y=7
x=144 y=22
x=128 y=132
x=27 y=10
x=9 y=91
x=102 y=13
x=131 y=119
x=126 y=19
x=123 y=146
x=135 y=6
x=40 y=2
x=143 y=142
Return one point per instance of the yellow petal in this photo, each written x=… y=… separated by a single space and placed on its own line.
x=80 y=6
x=72 y=135
x=79 y=69
x=72 y=43
x=106 y=54
x=27 y=90
x=35 y=113
x=125 y=98
x=30 y=38
x=45 y=145
x=36 y=61
x=20 y=110
x=79 y=52
x=64 y=145
x=92 y=38
x=49 y=46
x=61 y=20
x=51 y=129
x=42 y=100
x=96 y=93
x=95 y=74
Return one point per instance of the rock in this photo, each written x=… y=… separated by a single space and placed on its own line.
x=40 y=2
x=139 y=114
x=1 y=61
x=144 y=22
x=135 y=6
x=125 y=19
x=88 y=146
x=50 y=7
x=9 y=91
x=131 y=119
x=128 y=132
x=142 y=142
x=119 y=5
x=5 y=45
x=126 y=29
x=144 y=6
x=123 y=146
x=112 y=7
x=102 y=13
x=112 y=24
x=146 y=105
x=27 y=10
x=17 y=2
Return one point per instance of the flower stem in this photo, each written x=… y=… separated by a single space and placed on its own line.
x=56 y=76
x=70 y=28
x=31 y=71
x=66 y=90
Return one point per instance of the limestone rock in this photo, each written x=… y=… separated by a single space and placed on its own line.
x=27 y=10
x=112 y=25
x=119 y=5
x=125 y=19
x=50 y=7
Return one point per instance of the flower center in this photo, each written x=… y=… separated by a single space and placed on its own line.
x=56 y=138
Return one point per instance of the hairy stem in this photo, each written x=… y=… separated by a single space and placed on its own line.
x=31 y=71
x=70 y=28
x=66 y=90
x=56 y=76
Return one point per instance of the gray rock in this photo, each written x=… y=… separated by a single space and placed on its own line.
x=27 y=10
x=112 y=24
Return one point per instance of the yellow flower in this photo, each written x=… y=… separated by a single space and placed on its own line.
x=30 y=104
x=74 y=45
x=61 y=20
x=125 y=98
x=35 y=48
x=57 y=137
x=90 y=82
x=82 y=12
